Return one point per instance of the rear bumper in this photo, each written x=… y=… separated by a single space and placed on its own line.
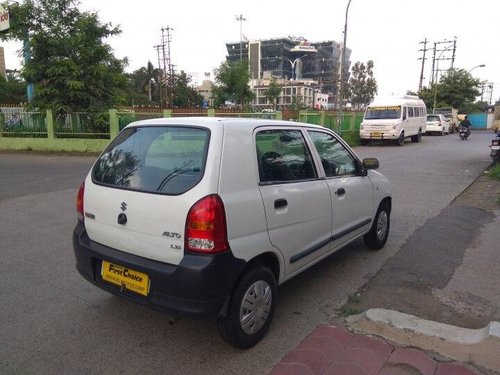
x=434 y=128
x=196 y=288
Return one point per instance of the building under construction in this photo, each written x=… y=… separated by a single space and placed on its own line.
x=284 y=58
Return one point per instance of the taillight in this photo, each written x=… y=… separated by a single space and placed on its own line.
x=79 y=202
x=439 y=123
x=206 y=230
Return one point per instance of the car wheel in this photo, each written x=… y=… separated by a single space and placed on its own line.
x=417 y=137
x=251 y=309
x=401 y=139
x=376 y=238
x=363 y=142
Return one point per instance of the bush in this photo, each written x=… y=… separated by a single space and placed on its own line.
x=351 y=137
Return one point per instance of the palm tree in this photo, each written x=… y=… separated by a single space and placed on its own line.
x=145 y=79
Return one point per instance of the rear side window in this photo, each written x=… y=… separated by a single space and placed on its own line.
x=167 y=160
x=283 y=156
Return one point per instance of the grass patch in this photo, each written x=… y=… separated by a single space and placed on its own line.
x=494 y=172
x=347 y=309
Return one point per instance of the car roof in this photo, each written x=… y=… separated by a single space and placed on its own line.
x=217 y=121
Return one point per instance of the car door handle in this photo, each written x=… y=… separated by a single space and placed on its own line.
x=340 y=191
x=278 y=203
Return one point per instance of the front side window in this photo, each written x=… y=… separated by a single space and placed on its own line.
x=335 y=158
x=167 y=160
x=282 y=155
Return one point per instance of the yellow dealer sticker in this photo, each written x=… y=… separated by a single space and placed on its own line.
x=126 y=278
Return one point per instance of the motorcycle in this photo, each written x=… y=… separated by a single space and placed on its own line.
x=495 y=148
x=464 y=132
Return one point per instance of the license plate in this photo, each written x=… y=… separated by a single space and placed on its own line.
x=495 y=147
x=376 y=134
x=126 y=278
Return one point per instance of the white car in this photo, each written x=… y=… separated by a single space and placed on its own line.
x=437 y=124
x=206 y=216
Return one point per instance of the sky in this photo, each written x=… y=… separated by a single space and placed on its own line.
x=388 y=32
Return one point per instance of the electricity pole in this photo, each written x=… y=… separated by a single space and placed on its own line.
x=168 y=68
x=342 y=67
x=420 y=84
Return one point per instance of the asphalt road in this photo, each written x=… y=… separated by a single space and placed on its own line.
x=53 y=321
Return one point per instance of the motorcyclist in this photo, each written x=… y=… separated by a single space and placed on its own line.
x=466 y=124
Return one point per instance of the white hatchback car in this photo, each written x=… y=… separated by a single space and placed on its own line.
x=437 y=124
x=206 y=216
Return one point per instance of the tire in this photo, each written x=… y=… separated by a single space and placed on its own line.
x=401 y=139
x=417 y=137
x=376 y=238
x=363 y=142
x=442 y=133
x=253 y=302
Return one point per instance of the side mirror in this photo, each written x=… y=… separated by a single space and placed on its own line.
x=370 y=163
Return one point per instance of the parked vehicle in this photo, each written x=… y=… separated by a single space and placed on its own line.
x=464 y=132
x=394 y=118
x=437 y=124
x=204 y=217
x=495 y=148
x=451 y=115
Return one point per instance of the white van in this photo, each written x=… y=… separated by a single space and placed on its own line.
x=394 y=118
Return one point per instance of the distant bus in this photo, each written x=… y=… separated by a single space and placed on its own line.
x=394 y=119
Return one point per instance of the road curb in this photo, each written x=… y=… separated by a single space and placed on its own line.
x=479 y=346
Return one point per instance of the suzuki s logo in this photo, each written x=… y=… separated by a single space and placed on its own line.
x=123 y=206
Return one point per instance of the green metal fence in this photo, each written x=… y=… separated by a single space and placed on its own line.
x=84 y=131
x=350 y=120
x=126 y=117
x=82 y=125
x=20 y=123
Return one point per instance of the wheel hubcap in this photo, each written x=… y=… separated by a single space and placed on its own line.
x=255 y=307
x=382 y=225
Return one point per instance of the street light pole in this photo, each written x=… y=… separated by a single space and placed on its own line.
x=240 y=18
x=340 y=96
x=477 y=66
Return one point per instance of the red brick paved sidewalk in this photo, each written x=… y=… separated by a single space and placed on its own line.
x=336 y=351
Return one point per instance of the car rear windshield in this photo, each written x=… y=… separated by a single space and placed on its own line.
x=433 y=118
x=157 y=159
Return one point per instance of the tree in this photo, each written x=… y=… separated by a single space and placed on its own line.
x=273 y=92
x=185 y=95
x=362 y=87
x=146 y=80
x=456 y=88
x=231 y=84
x=144 y=85
x=12 y=90
x=69 y=64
